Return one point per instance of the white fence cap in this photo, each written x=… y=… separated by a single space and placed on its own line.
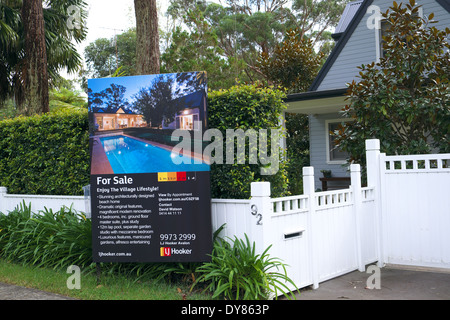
x=260 y=189
x=372 y=144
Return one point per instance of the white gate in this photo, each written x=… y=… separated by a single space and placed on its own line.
x=319 y=235
x=415 y=202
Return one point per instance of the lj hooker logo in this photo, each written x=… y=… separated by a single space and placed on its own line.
x=165 y=252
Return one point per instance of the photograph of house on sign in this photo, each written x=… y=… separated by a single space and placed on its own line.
x=117 y=118
x=132 y=120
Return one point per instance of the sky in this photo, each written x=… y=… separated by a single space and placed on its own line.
x=109 y=17
x=132 y=84
x=106 y=15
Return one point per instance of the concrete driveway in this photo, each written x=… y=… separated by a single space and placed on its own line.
x=396 y=284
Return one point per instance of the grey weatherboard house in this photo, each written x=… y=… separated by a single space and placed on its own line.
x=357 y=42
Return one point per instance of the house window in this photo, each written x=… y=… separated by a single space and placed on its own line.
x=187 y=122
x=100 y=123
x=385 y=25
x=123 y=123
x=383 y=31
x=334 y=153
x=196 y=122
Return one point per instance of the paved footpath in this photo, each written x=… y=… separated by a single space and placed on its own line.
x=11 y=292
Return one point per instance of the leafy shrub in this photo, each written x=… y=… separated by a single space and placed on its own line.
x=48 y=239
x=49 y=154
x=402 y=102
x=297 y=141
x=11 y=223
x=245 y=107
x=45 y=154
x=236 y=272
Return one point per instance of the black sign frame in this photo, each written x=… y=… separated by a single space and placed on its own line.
x=145 y=209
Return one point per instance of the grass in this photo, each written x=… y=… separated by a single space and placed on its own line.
x=36 y=249
x=111 y=287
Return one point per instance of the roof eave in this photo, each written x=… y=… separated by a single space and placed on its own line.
x=316 y=102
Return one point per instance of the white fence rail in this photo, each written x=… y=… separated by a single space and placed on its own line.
x=9 y=202
x=402 y=217
x=319 y=235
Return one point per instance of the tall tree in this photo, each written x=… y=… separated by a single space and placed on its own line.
x=104 y=55
x=198 y=51
x=293 y=65
x=147 y=37
x=36 y=99
x=10 y=44
x=115 y=97
x=244 y=29
x=61 y=29
x=156 y=103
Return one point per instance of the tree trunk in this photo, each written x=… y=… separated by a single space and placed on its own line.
x=147 y=37
x=36 y=98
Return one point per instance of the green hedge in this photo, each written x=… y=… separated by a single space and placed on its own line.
x=245 y=107
x=49 y=154
x=45 y=154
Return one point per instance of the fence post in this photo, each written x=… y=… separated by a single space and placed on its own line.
x=87 y=200
x=355 y=174
x=309 y=190
x=261 y=209
x=374 y=180
x=3 y=192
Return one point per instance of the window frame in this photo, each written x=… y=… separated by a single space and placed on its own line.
x=379 y=36
x=327 y=140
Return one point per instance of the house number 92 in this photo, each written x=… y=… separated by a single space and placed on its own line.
x=254 y=210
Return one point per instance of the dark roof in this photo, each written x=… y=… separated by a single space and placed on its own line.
x=193 y=100
x=349 y=12
x=445 y=4
x=311 y=95
x=111 y=110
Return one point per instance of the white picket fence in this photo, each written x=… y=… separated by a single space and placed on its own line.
x=319 y=235
x=402 y=217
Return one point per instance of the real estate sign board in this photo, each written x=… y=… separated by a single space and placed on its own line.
x=148 y=203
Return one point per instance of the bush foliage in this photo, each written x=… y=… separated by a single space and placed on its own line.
x=47 y=239
x=49 y=154
x=403 y=99
x=245 y=107
x=45 y=154
x=62 y=238
x=237 y=272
